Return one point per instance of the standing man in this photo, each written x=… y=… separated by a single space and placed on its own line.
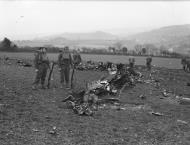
x=148 y=62
x=76 y=62
x=41 y=63
x=65 y=62
x=183 y=62
x=76 y=58
x=187 y=64
x=131 y=62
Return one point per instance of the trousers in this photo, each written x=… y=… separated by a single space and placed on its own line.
x=148 y=65
x=41 y=74
x=65 y=74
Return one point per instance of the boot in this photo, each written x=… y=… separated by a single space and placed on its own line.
x=34 y=87
x=43 y=86
x=67 y=86
x=62 y=85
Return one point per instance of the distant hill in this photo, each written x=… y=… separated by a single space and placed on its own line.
x=60 y=42
x=176 y=37
x=98 y=35
x=163 y=34
x=93 y=38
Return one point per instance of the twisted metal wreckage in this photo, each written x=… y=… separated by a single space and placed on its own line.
x=105 y=90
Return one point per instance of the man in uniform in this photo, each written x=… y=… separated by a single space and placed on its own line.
x=65 y=62
x=148 y=62
x=131 y=62
x=188 y=64
x=183 y=62
x=76 y=58
x=42 y=64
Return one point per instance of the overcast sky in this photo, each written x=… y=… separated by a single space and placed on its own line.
x=30 y=19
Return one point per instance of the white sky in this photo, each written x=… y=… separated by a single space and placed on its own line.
x=29 y=19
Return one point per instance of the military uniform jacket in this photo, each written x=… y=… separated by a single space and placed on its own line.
x=64 y=59
x=77 y=58
x=41 y=59
x=148 y=60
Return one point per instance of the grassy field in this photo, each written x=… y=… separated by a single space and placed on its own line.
x=171 y=63
x=27 y=116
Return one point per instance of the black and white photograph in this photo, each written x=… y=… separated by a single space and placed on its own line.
x=94 y=72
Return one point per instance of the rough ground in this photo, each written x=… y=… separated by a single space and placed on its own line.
x=27 y=117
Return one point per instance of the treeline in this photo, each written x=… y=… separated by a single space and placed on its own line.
x=8 y=46
x=32 y=49
x=141 y=51
x=116 y=49
x=134 y=53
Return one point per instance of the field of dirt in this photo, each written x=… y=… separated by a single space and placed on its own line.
x=171 y=63
x=39 y=117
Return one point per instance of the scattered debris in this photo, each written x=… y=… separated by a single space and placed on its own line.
x=90 y=65
x=10 y=133
x=168 y=94
x=184 y=101
x=20 y=62
x=164 y=93
x=35 y=130
x=125 y=107
x=85 y=102
x=182 y=121
x=1 y=108
x=156 y=113
x=53 y=131
x=142 y=96
x=23 y=63
x=148 y=81
x=109 y=100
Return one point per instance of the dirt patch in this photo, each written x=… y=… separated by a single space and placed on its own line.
x=28 y=116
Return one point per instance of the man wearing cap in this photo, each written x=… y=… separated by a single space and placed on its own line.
x=41 y=63
x=131 y=62
x=65 y=62
x=76 y=58
x=148 y=62
x=187 y=62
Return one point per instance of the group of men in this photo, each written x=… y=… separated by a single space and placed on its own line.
x=148 y=62
x=65 y=63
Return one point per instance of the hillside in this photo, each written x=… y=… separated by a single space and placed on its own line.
x=94 y=38
x=176 y=37
x=172 y=37
x=163 y=34
x=98 y=35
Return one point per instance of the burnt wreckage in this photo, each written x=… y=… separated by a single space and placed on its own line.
x=105 y=90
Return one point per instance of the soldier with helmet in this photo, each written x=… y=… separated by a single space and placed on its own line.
x=76 y=58
x=131 y=62
x=42 y=64
x=65 y=62
x=184 y=63
x=148 y=62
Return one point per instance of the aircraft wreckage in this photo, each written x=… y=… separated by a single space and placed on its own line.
x=105 y=90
